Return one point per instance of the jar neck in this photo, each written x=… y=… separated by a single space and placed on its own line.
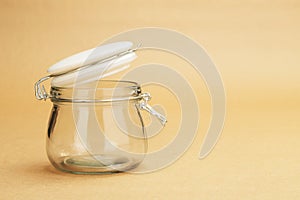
x=100 y=91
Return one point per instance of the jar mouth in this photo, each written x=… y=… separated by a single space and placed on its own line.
x=102 y=84
x=98 y=91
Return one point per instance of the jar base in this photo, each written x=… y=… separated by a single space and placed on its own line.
x=96 y=164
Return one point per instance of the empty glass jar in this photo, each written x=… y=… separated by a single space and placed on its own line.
x=97 y=128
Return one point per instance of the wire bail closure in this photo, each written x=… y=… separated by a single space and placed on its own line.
x=145 y=106
x=41 y=93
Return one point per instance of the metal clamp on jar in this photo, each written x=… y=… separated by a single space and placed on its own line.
x=95 y=125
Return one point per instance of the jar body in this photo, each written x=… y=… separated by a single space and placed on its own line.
x=103 y=137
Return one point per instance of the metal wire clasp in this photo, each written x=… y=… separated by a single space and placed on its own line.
x=145 y=106
x=40 y=91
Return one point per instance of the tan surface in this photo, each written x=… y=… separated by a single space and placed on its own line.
x=256 y=47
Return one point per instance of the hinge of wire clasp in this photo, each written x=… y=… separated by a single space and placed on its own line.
x=145 y=106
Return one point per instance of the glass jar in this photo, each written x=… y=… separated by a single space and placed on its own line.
x=97 y=128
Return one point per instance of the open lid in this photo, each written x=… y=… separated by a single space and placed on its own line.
x=92 y=64
x=88 y=57
x=88 y=66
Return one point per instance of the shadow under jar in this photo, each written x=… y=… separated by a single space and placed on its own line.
x=97 y=128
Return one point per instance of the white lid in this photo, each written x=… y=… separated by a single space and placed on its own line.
x=95 y=71
x=90 y=64
x=89 y=56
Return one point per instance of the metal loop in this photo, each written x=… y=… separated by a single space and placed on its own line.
x=40 y=91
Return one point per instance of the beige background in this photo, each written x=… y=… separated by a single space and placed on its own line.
x=256 y=46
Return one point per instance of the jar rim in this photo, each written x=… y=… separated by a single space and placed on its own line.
x=127 y=84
